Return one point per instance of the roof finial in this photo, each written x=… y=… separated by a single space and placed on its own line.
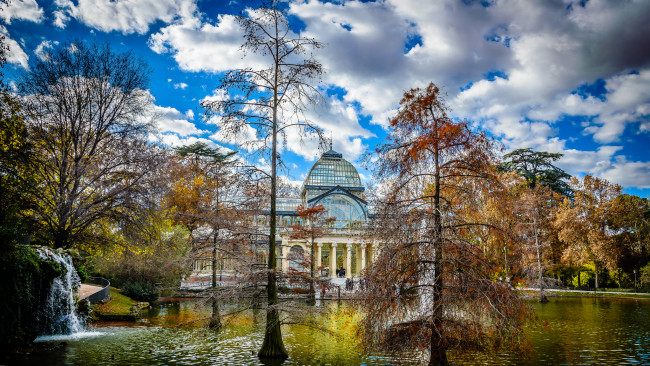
x=331 y=140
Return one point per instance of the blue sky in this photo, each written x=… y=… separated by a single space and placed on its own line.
x=562 y=76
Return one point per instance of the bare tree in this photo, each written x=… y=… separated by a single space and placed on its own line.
x=315 y=222
x=85 y=104
x=430 y=287
x=269 y=101
x=204 y=198
x=535 y=208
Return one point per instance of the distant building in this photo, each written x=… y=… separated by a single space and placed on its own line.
x=334 y=183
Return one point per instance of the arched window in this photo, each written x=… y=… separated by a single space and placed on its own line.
x=297 y=258
x=346 y=210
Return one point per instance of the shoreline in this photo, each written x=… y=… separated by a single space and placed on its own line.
x=529 y=292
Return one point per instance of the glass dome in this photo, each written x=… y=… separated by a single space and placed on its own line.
x=332 y=170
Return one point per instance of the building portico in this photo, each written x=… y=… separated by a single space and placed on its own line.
x=350 y=254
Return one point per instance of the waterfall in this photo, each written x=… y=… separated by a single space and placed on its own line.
x=57 y=312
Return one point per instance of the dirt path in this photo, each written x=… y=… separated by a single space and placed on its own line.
x=87 y=290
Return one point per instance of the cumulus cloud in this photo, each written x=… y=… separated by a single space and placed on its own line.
x=180 y=86
x=339 y=122
x=168 y=119
x=368 y=50
x=245 y=138
x=173 y=140
x=22 y=10
x=204 y=46
x=555 y=50
x=127 y=16
x=628 y=173
x=15 y=55
x=515 y=67
x=41 y=49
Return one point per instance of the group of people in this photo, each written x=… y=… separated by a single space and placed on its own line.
x=349 y=282
x=340 y=272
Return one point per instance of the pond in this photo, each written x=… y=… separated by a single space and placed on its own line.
x=568 y=331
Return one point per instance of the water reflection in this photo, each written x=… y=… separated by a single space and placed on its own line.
x=582 y=331
x=568 y=331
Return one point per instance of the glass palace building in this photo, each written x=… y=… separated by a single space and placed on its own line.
x=334 y=183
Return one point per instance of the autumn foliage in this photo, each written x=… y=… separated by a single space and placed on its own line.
x=431 y=288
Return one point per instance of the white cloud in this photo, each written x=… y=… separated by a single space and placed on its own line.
x=203 y=46
x=168 y=119
x=576 y=162
x=15 y=55
x=173 y=140
x=628 y=173
x=536 y=53
x=246 y=137
x=61 y=19
x=126 y=16
x=41 y=49
x=180 y=86
x=22 y=10
x=370 y=59
x=339 y=122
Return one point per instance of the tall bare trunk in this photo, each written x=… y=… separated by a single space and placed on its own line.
x=215 y=319
x=312 y=274
x=438 y=352
x=542 y=296
x=273 y=346
x=214 y=261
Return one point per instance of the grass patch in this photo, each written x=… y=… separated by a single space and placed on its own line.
x=601 y=294
x=119 y=305
x=578 y=293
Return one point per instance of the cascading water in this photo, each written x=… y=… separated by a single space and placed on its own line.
x=57 y=313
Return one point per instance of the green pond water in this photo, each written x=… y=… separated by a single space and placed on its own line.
x=568 y=331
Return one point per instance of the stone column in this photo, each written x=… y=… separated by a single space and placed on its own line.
x=333 y=260
x=284 y=255
x=357 y=250
x=348 y=260
x=375 y=252
x=363 y=256
x=319 y=251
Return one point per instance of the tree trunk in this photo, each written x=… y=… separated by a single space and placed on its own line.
x=273 y=347
x=215 y=320
x=312 y=286
x=542 y=296
x=438 y=352
x=214 y=261
x=596 y=272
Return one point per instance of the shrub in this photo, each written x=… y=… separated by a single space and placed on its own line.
x=645 y=276
x=161 y=260
x=141 y=291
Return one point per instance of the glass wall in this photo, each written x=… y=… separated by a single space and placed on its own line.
x=347 y=211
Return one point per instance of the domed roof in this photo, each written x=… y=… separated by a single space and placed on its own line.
x=332 y=170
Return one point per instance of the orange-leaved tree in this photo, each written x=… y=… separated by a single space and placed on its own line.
x=430 y=288
x=582 y=223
